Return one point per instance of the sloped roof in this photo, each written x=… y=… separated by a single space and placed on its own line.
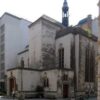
x=49 y=19
x=6 y=13
x=75 y=30
x=11 y=15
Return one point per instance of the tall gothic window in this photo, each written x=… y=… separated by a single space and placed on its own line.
x=72 y=56
x=61 y=57
x=89 y=64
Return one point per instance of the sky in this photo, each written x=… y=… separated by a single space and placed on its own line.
x=33 y=9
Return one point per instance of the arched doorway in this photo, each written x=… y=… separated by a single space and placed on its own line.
x=65 y=90
x=65 y=86
x=11 y=85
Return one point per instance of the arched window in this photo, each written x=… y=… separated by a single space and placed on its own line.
x=45 y=80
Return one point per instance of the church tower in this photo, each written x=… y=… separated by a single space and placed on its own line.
x=65 y=14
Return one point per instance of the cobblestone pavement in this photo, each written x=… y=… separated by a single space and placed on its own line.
x=33 y=99
x=5 y=98
x=44 y=99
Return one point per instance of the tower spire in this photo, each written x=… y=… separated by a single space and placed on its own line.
x=65 y=13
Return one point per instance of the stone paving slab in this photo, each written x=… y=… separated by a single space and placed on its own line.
x=46 y=99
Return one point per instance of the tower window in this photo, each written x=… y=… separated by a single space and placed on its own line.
x=61 y=57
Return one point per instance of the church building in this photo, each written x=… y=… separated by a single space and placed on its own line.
x=59 y=58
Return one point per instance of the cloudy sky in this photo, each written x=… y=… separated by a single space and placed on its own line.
x=33 y=9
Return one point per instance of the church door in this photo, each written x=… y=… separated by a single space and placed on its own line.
x=11 y=85
x=65 y=91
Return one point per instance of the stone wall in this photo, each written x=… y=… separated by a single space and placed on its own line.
x=48 y=44
x=83 y=44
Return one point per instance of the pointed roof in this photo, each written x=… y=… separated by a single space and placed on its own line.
x=65 y=3
x=65 y=6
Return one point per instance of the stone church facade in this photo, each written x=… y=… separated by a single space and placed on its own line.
x=59 y=59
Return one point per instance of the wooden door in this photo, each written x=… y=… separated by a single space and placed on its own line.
x=65 y=91
x=11 y=85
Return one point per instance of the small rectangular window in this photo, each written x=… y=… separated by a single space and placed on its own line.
x=2 y=57
x=2 y=28
x=2 y=66
x=2 y=38
x=2 y=75
x=2 y=48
